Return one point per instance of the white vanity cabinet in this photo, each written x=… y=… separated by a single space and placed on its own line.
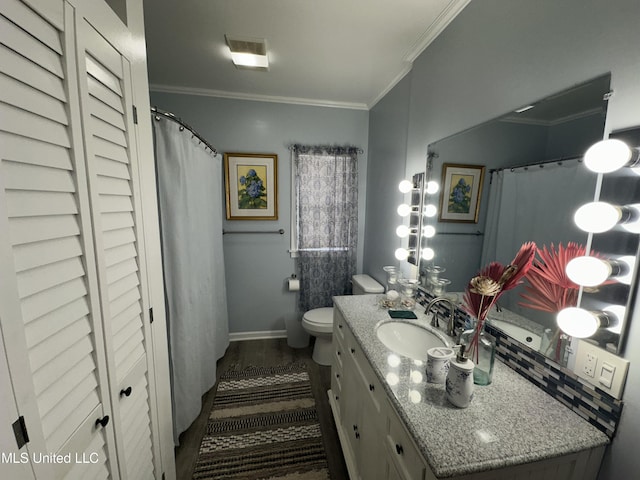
x=376 y=442
x=359 y=406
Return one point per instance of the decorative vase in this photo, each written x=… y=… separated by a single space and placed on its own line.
x=481 y=348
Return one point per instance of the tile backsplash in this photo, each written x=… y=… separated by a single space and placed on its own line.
x=594 y=405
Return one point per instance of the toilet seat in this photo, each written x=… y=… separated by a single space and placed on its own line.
x=319 y=320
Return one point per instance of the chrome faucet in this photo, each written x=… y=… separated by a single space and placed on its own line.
x=451 y=324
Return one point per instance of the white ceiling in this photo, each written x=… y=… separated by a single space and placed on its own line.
x=344 y=53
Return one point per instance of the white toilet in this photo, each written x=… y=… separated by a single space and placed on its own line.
x=319 y=321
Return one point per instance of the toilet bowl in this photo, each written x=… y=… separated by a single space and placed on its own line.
x=319 y=321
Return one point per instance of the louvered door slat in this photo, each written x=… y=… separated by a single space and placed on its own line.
x=29 y=151
x=106 y=113
x=32 y=204
x=30 y=47
x=105 y=95
x=58 y=424
x=36 y=229
x=108 y=132
x=59 y=342
x=123 y=318
x=115 y=238
x=44 y=302
x=27 y=72
x=119 y=254
x=52 y=371
x=24 y=96
x=26 y=20
x=45 y=326
x=18 y=121
x=22 y=176
x=40 y=279
x=104 y=149
x=103 y=75
x=114 y=187
x=122 y=286
x=44 y=253
x=116 y=221
x=66 y=382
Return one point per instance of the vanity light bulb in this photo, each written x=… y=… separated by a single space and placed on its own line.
x=577 y=322
x=630 y=261
x=432 y=187
x=428 y=231
x=597 y=217
x=618 y=312
x=430 y=210
x=428 y=253
x=402 y=253
x=608 y=156
x=405 y=186
x=404 y=210
x=402 y=231
x=588 y=271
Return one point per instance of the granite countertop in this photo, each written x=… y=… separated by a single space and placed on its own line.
x=509 y=422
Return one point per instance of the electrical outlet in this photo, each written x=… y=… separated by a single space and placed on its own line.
x=589 y=367
x=600 y=368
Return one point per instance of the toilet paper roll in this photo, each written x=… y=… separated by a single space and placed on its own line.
x=294 y=284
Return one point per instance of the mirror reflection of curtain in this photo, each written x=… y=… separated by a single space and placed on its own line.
x=327 y=223
x=190 y=201
x=534 y=204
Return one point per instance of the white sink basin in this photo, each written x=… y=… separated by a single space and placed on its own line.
x=408 y=339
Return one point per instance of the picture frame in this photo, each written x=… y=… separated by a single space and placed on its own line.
x=461 y=192
x=251 y=184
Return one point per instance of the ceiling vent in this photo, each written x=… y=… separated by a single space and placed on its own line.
x=247 y=52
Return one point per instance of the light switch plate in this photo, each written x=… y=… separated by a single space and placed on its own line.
x=587 y=354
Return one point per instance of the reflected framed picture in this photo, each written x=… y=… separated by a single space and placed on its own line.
x=461 y=191
x=251 y=184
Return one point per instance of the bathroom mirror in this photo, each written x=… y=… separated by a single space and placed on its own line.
x=534 y=183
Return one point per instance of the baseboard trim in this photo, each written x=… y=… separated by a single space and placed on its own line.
x=240 y=336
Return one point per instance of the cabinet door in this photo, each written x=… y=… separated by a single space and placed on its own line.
x=107 y=116
x=48 y=295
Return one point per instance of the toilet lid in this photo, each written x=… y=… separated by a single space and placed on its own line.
x=319 y=316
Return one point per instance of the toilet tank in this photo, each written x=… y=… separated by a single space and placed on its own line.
x=365 y=284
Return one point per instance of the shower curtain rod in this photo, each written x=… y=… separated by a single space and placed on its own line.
x=540 y=164
x=183 y=125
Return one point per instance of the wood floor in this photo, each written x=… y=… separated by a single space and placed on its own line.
x=269 y=352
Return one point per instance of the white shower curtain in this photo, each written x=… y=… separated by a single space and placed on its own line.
x=534 y=204
x=190 y=200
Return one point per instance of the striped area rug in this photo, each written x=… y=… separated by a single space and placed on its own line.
x=263 y=425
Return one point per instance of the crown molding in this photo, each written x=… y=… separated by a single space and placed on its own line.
x=435 y=29
x=205 y=92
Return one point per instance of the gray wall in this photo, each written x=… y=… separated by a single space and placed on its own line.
x=495 y=56
x=258 y=265
x=389 y=123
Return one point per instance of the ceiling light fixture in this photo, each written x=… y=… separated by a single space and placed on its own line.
x=249 y=53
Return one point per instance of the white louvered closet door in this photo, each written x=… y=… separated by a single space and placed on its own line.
x=107 y=110
x=49 y=305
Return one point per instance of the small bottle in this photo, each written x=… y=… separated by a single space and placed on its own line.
x=459 y=384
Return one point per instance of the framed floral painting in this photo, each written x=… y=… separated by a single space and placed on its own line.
x=461 y=190
x=251 y=186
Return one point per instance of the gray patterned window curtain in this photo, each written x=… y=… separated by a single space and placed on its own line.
x=327 y=221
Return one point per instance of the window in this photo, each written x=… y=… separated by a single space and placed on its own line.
x=324 y=221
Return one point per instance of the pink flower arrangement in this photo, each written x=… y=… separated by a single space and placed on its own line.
x=490 y=283
x=549 y=288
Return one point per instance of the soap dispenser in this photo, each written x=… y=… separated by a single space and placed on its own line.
x=459 y=384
